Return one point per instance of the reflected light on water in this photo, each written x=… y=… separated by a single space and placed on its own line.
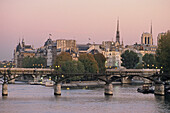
x=40 y=99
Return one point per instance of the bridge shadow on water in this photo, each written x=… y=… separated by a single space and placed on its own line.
x=165 y=98
x=164 y=102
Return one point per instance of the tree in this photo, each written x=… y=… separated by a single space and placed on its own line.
x=129 y=59
x=63 y=56
x=32 y=62
x=149 y=61
x=163 y=53
x=90 y=64
x=72 y=67
x=100 y=58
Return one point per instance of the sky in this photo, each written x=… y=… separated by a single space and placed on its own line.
x=34 y=20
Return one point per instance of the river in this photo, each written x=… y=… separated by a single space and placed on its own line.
x=40 y=99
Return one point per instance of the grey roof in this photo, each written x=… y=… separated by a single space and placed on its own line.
x=82 y=47
x=18 y=47
x=27 y=46
x=49 y=41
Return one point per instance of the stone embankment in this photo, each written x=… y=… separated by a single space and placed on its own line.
x=86 y=83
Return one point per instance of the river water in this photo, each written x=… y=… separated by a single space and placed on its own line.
x=40 y=99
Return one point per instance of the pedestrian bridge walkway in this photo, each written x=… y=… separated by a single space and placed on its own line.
x=45 y=71
x=126 y=75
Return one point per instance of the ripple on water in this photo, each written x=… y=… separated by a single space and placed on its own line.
x=40 y=99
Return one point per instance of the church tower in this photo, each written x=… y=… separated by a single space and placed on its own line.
x=117 y=33
x=147 y=38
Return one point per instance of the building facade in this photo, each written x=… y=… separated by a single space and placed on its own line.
x=22 y=50
x=146 y=39
x=52 y=48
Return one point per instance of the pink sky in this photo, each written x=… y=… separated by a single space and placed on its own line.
x=33 y=20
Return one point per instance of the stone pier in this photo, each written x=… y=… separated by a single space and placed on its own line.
x=159 y=89
x=57 y=89
x=13 y=79
x=126 y=80
x=108 y=89
x=36 y=78
x=4 y=89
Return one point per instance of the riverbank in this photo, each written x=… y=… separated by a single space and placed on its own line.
x=86 y=84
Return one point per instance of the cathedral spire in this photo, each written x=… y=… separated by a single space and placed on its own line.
x=151 y=27
x=117 y=32
x=23 y=43
x=118 y=24
x=122 y=41
x=50 y=36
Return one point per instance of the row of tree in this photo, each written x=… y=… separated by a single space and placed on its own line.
x=87 y=63
x=163 y=53
x=64 y=63
x=130 y=60
x=161 y=60
x=32 y=62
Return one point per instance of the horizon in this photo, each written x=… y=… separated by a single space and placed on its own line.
x=79 y=20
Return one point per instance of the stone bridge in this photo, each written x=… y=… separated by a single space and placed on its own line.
x=126 y=75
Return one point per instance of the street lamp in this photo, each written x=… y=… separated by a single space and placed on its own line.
x=153 y=66
x=57 y=67
x=161 y=69
x=156 y=69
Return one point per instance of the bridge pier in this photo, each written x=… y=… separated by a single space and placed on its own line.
x=36 y=78
x=12 y=81
x=57 y=89
x=159 y=89
x=126 y=80
x=4 y=89
x=108 y=89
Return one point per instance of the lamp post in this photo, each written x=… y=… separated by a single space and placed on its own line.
x=5 y=85
x=148 y=66
x=57 y=86
x=153 y=66
x=57 y=67
x=161 y=69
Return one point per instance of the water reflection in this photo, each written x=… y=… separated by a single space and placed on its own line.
x=108 y=97
x=125 y=99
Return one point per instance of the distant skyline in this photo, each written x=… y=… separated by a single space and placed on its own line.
x=34 y=20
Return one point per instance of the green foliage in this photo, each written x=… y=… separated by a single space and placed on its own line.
x=72 y=67
x=163 y=53
x=149 y=61
x=64 y=56
x=32 y=62
x=100 y=61
x=90 y=64
x=129 y=59
x=6 y=65
x=139 y=66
